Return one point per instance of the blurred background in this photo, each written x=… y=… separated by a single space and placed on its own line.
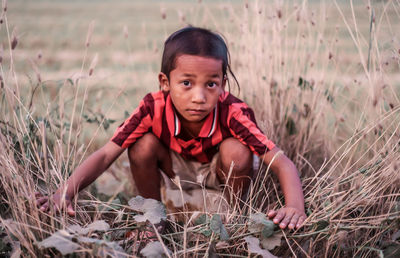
x=322 y=76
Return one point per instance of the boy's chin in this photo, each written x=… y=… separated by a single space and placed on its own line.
x=194 y=119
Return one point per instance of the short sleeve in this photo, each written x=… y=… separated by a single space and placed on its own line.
x=136 y=125
x=243 y=126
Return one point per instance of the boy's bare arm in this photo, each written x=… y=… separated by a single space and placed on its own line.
x=83 y=175
x=92 y=168
x=292 y=215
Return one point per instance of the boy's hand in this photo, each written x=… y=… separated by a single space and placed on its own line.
x=288 y=216
x=43 y=202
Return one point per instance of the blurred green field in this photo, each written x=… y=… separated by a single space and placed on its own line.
x=128 y=37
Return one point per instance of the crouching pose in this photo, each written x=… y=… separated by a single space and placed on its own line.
x=192 y=130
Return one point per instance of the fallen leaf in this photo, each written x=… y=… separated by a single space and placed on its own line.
x=253 y=245
x=272 y=241
x=396 y=235
x=61 y=240
x=99 y=225
x=154 y=250
x=104 y=248
x=78 y=229
x=215 y=223
x=153 y=211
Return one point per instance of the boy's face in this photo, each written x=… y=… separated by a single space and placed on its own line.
x=194 y=85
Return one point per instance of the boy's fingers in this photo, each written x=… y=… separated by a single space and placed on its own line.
x=44 y=207
x=286 y=220
x=41 y=200
x=38 y=194
x=300 y=222
x=279 y=216
x=294 y=221
x=70 y=210
x=271 y=213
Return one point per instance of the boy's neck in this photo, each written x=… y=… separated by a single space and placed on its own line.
x=190 y=130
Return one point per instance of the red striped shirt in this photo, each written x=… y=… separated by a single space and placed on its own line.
x=230 y=118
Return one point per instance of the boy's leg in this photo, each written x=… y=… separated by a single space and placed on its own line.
x=232 y=150
x=146 y=156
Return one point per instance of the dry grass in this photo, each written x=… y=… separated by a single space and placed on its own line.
x=324 y=85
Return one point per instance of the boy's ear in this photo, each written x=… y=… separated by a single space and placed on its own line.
x=164 y=82
x=224 y=82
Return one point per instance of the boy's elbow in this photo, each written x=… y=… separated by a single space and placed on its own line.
x=282 y=164
x=109 y=153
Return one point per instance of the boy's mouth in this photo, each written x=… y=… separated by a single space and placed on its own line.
x=196 y=111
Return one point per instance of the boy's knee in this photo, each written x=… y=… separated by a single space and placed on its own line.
x=232 y=150
x=145 y=148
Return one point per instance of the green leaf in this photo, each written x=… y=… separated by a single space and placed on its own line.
x=291 y=126
x=224 y=233
x=259 y=222
x=216 y=223
x=154 y=250
x=153 y=211
x=321 y=225
x=202 y=219
x=70 y=81
x=206 y=232
x=304 y=84
x=392 y=251
x=329 y=96
x=268 y=229
x=217 y=227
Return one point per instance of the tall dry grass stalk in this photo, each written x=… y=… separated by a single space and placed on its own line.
x=337 y=117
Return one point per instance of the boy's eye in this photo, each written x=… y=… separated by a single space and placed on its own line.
x=211 y=84
x=186 y=83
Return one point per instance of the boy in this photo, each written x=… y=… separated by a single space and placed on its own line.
x=194 y=129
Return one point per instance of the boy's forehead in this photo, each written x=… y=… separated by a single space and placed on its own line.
x=195 y=64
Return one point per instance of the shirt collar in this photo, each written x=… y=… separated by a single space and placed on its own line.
x=174 y=125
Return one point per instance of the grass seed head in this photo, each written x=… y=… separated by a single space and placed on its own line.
x=1 y=53
x=182 y=16
x=93 y=64
x=125 y=30
x=5 y=5
x=89 y=34
x=14 y=40
x=163 y=13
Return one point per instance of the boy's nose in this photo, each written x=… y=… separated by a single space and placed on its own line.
x=198 y=96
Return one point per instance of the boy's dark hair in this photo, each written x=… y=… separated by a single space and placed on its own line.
x=196 y=41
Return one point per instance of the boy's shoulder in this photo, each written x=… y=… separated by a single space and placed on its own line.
x=227 y=98
x=155 y=98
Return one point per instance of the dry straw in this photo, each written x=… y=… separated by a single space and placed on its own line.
x=310 y=97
